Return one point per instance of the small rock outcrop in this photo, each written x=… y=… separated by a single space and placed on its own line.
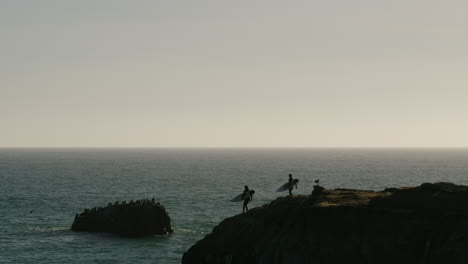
x=426 y=224
x=318 y=190
x=132 y=219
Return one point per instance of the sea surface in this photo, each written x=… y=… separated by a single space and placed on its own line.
x=41 y=190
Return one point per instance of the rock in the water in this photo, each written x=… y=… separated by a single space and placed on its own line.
x=426 y=224
x=133 y=219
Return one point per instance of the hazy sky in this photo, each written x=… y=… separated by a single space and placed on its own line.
x=237 y=73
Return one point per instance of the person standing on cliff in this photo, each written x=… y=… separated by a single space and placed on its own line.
x=291 y=184
x=247 y=198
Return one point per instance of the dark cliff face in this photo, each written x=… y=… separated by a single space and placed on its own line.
x=141 y=218
x=426 y=224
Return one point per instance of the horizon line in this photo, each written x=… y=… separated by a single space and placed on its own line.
x=243 y=147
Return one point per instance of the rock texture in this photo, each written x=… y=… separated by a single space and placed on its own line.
x=133 y=219
x=425 y=224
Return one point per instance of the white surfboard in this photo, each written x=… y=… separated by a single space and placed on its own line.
x=241 y=197
x=285 y=186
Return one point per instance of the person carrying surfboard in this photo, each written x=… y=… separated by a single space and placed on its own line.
x=247 y=195
x=291 y=184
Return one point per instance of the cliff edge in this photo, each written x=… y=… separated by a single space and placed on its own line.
x=424 y=224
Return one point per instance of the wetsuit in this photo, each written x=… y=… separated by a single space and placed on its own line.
x=291 y=185
x=247 y=198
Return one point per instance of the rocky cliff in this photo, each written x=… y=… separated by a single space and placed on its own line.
x=133 y=219
x=425 y=224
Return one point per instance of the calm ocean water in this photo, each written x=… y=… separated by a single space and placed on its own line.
x=42 y=189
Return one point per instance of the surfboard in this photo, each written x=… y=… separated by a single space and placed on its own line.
x=285 y=186
x=240 y=197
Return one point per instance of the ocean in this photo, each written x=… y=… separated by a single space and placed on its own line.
x=41 y=190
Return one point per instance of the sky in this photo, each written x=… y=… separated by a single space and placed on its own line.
x=237 y=73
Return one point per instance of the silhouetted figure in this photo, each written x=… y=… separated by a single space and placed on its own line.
x=247 y=198
x=291 y=184
x=318 y=190
x=317 y=181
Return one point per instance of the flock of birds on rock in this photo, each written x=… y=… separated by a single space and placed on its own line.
x=143 y=202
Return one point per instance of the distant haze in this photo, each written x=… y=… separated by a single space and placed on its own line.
x=237 y=73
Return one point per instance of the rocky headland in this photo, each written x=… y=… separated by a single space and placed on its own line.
x=424 y=224
x=133 y=219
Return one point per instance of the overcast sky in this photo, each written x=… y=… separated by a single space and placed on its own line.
x=238 y=73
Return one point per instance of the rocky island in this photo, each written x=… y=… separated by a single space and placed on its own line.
x=425 y=224
x=133 y=219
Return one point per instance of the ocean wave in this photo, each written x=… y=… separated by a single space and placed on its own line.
x=12 y=198
x=48 y=229
x=197 y=231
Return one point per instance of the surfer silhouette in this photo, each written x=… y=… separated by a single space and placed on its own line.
x=247 y=195
x=291 y=184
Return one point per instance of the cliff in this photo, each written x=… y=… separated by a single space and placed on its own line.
x=425 y=224
x=133 y=219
